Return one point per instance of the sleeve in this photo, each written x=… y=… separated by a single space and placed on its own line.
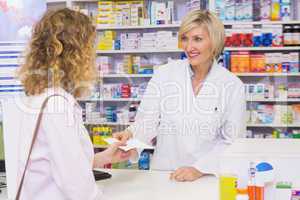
x=148 y=115
x=233 y=127
x=70 y=166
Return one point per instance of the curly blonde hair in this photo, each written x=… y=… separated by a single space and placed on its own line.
x=61 y=54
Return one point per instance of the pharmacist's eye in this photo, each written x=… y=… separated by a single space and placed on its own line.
x=198 y=39
x=184 y=39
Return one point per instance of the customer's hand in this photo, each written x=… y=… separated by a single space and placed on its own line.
x=111 y=155
x=186 y=174
x=116 y=154
x=123 y=136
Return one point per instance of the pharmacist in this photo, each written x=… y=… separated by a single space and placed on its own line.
x=194 y=107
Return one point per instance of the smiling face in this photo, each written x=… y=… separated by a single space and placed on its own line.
x=197 y=45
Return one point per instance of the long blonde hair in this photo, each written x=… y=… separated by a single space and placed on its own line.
x=61 y=54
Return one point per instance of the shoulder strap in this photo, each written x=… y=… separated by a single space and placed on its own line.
x=37 y=126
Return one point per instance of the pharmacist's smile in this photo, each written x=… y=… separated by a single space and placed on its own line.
x=193 y=55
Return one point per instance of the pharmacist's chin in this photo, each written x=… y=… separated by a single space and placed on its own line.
x=194 y=61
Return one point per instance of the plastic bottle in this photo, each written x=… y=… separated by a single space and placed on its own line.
x=227 y=186
x=296 y=35
x=144 y=161
x=251 y=184
x=242 y=194
x=259 y=191
x=132 y=112
x=287 y=35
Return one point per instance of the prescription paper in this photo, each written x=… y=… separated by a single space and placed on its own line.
x=131 y=144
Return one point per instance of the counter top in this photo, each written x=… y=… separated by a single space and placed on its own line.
x=152 y=185
x=155 y=185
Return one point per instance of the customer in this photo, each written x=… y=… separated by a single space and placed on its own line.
x=194 y=107
x=60 y=61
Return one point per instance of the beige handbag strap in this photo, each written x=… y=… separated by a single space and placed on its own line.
x=37 y=126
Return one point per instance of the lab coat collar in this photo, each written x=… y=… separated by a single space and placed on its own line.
x=211 y=73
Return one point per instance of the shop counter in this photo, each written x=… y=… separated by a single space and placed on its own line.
x=152 y=185
x=156 y=185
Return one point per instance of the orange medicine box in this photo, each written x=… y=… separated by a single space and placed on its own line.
x=240 y=62
x=257 y=62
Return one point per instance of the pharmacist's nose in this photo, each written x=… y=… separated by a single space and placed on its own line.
x=189 y=46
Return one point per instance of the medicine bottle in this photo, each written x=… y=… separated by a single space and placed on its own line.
x=132 y=112
x=287 y=35
x=296 y=35
x=242 y=194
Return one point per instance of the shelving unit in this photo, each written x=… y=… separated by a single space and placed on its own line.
x=230 y=23
x=137 y=78
x=126 y=75
x=261 y=48
x=267 y=74
x=274 y=100
x=180 y=51
x=165 y=26
x=105 y=27
x=138 y=51
x=275 y=125
x=109 y=123
x=112 y=99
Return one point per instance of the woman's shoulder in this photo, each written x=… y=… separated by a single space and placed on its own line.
x=59 y=99
x=227 y=76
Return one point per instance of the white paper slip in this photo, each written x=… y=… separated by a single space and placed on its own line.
x=131 y=144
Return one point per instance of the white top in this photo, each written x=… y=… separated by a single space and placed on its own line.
x=156 y=185
x=191 y=130
x=61 y=161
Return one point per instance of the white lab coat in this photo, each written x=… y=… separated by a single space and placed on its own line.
x=191 y=131
x=62 y=158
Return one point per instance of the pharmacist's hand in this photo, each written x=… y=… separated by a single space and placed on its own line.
x=186 y=174
x=111 y=155
x=116 y=154
x=123 y=136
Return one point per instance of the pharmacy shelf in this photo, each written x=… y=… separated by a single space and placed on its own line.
x=112 y=99
x=83 y=1
x=266 y=74
x=56 y=1
x=120 y=99
x=228 y=23
x=101 y=27
x=262 y=48
x=109 y=123
x=273 y=100
x=126 y=75
x=180 y=50
x=65 y=1
x=237 y=74
x=138 y=51
x=274 y=125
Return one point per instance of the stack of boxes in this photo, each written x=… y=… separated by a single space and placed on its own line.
x=130 y=41
x=129 y=64
x=242 y=62
x=136 y=41
x=247 y=36
x=106 y=12
x=106 y=40
x=270 y=91
x=256 y=10
x=120 y=13
x=259 y=113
